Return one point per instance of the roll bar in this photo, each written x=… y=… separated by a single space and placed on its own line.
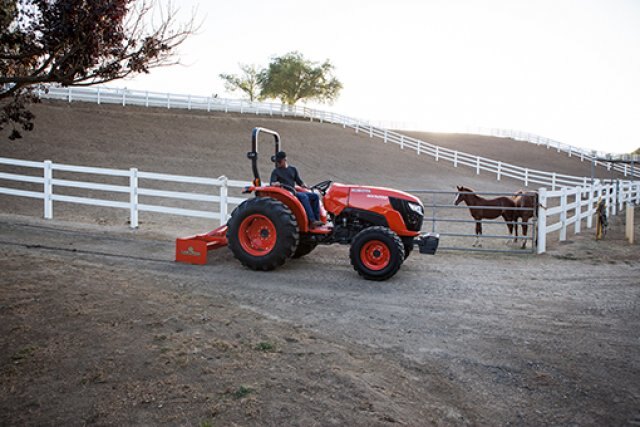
x=253 y=154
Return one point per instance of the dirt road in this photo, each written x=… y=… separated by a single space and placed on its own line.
x=99 y=326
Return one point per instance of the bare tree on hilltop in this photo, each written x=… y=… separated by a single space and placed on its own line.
x=79 y=43
x=246 y=82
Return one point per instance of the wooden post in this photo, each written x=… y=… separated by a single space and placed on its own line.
x=629 y=228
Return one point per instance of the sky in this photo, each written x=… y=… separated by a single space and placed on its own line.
x=563 y=69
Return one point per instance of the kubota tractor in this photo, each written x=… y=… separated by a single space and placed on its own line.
x=381 y=225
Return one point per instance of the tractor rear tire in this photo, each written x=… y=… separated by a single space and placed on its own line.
x=262 y=233
x=376 y=253
x=305 y=246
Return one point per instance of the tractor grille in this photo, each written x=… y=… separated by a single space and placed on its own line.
x=412 y=220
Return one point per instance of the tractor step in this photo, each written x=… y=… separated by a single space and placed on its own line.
x=193 y=249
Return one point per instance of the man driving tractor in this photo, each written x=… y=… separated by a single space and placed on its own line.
x=287 y=176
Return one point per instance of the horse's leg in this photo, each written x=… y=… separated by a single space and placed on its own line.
x=478 y=233
x=510 y=225
x=525 y=225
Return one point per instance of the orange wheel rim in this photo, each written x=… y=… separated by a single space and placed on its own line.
x=375 y=255
x=257 y=235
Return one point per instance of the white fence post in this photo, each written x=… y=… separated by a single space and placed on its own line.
x=563 y=215
x=419 y=146
x=578 y=210
x=614 y=200
x=553 y=182
x=224 y=199
x=437 y=153
x=402 y=142
x=98 y=95
x=499 y=172
x=590 y=208
x=48 y=189
x=542 y=221
x=526 y=177
x=69 y=95
x=370 y=131
x=455 y=159
x=477 y=165
x=133 y=197
x=386 y=135
x=124 y=97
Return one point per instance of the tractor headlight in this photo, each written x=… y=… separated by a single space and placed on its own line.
x=416 y=208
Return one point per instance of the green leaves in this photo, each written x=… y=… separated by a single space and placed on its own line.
x=290 y=78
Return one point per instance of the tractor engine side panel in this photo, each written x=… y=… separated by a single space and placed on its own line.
x=369 y=200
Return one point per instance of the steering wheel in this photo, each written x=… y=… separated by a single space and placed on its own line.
x=322 y=187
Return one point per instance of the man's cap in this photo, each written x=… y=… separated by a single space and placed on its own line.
x=281 y=155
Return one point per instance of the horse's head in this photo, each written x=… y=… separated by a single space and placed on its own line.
x=463 y=193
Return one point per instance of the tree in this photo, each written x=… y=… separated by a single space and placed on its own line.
x=78 y=43
x=247 y=82
x=292 y=78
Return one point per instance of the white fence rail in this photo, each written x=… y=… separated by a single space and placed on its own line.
x=569 y=205
x=166 y=100
x=567 y=208
x=566 y=148
x=218 y=194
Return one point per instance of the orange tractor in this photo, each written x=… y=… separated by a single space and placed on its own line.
x=381 y=225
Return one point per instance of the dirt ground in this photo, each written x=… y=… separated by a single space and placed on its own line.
x=99 y=327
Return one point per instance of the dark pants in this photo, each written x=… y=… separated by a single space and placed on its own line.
x=311 y=205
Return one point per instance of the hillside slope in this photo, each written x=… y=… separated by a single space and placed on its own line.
x=202 y=144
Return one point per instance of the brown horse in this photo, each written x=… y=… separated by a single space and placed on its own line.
x=527 y=204
x=481 y=208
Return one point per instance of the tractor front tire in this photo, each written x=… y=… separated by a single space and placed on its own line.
x=376 y=253
x=408 y=246
x=262 y=233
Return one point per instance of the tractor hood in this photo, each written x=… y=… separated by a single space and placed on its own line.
x=340 y=196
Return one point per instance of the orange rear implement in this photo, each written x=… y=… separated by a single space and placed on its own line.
x=193 y=249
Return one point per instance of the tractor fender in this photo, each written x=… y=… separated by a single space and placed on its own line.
x=291 y=201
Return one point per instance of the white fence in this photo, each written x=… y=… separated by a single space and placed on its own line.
x=561 y=209
x=134 y=189
x=500 y=169
x=569 y=149
x=582 y=207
